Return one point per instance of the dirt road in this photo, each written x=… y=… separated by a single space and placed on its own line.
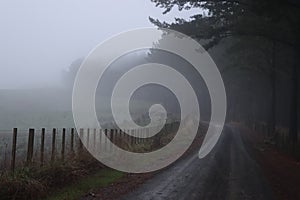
x=228 y=172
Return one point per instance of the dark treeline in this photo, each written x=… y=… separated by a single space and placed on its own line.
x=256 y=46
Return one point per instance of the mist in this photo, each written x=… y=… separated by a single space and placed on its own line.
x=41 y=41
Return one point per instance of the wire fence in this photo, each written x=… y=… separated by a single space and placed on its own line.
x=19 y=147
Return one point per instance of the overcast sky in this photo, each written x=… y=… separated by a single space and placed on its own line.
x=41 y=38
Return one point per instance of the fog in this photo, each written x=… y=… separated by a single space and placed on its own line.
x=40 y=39
x=42 y=42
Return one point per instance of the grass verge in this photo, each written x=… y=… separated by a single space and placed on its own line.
x=87 y=184
x=59 y=180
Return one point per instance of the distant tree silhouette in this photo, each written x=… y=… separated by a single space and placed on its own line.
x=70 y=74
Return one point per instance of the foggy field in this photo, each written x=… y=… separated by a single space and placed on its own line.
x=47 y=108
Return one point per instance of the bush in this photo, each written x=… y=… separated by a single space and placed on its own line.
x=20 y=186
x=35 y=182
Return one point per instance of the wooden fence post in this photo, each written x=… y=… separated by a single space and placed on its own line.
x=136 y=136
x=42 y=146
x=121 y=134
x=88 y=138
x=100 y=138
x=125 y=133
x=140 y=135
x=80 y=146
x=53 y=145
x=132 y=138
x=111 y=138
x=63 y=144
x=14 y=148
x=72 y=140
x=127 y=136
x=105 y=139
x=94 y=142
x=111 y=134
x=30 y=146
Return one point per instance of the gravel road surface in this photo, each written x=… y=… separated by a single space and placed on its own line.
x=228 y=172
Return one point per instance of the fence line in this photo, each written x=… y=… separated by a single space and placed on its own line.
x=42 y=143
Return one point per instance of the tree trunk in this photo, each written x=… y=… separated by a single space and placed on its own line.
x=272 y=122
x=293 y=130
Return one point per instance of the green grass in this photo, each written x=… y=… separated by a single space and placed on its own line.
x=74 y=191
